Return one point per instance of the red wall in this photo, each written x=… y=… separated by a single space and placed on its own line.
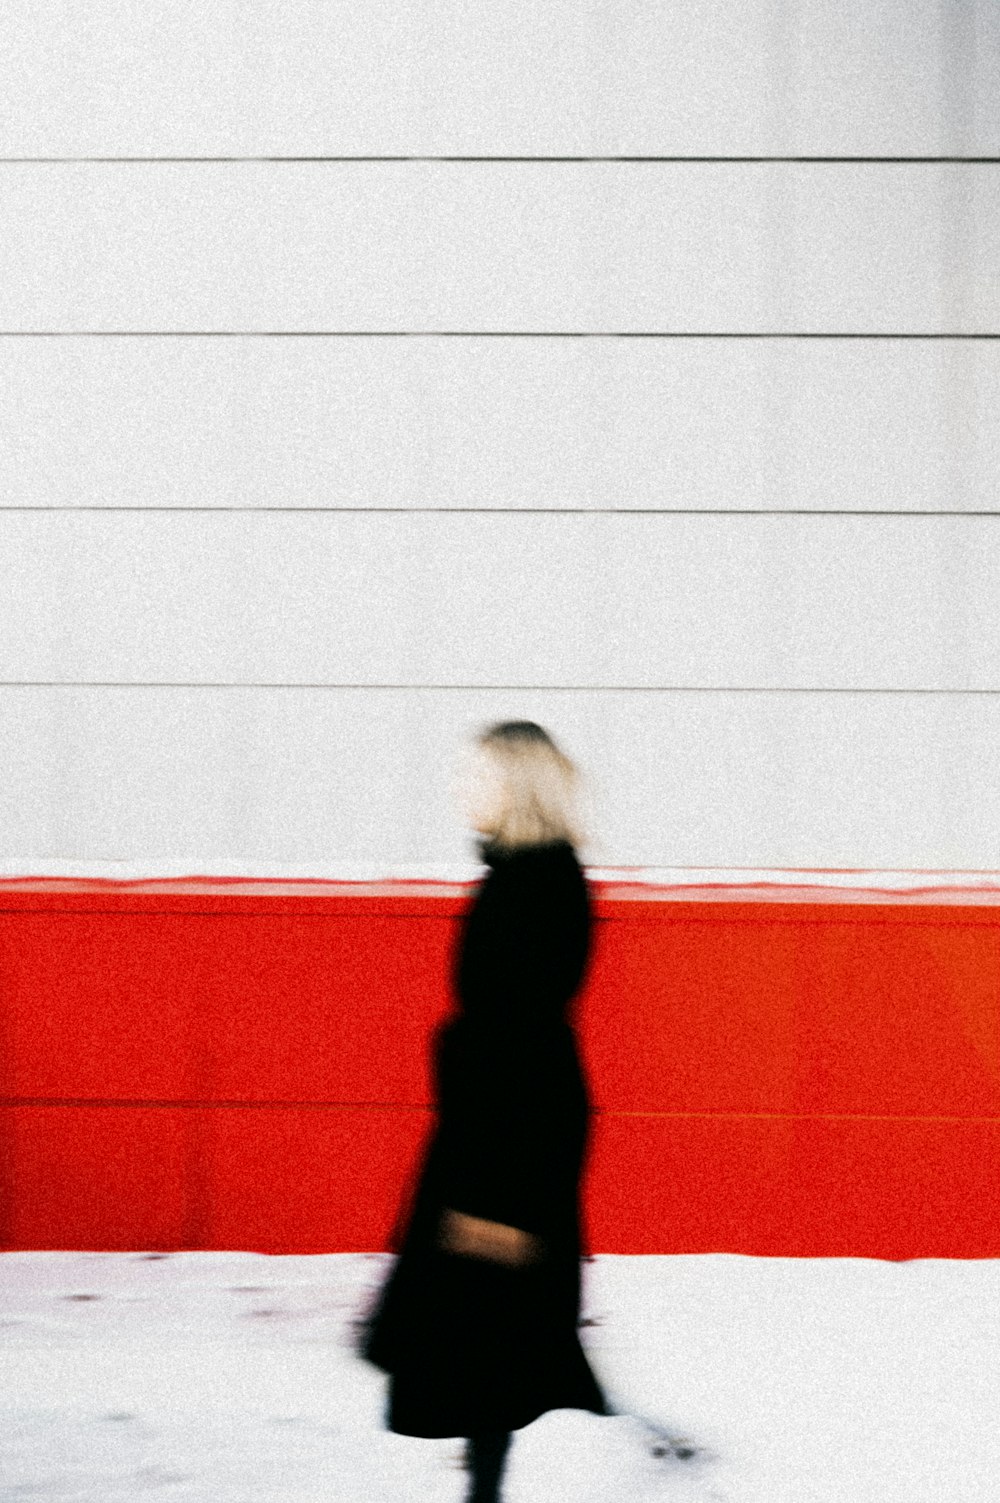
x=243 y=1065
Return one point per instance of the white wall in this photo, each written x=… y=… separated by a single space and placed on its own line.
x=303 y=474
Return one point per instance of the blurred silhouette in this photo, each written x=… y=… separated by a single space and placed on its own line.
x=477 y=1320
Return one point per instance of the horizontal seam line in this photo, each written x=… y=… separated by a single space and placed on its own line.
x=825 y=158
x=553 y=511
x=476 y=688
x=655 y=908
x=417 y=1107
x=474 y=334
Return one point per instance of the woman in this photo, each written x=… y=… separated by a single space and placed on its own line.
x=476 y=1323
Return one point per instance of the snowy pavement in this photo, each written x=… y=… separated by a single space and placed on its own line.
x=228 y=1377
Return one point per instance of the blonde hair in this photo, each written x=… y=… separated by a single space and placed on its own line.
x=539 y=786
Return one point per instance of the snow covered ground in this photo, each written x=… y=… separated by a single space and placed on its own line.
x=227 y=1377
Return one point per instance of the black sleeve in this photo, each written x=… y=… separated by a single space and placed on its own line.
x=503 y=1146
x=498 y=1154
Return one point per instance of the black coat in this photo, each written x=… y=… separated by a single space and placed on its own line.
x=472 y=1344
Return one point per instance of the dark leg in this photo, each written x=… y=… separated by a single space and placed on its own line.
x=487 y=1452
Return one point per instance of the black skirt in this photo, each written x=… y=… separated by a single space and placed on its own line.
x=471 y=1344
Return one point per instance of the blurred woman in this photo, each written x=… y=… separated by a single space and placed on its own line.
x=477 y=1321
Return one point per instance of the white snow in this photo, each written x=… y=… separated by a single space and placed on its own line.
x=228 y=1377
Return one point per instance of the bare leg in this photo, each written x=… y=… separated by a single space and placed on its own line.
x=487 y=1453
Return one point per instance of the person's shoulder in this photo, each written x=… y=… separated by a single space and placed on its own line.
x=545 y=854
x=495 y=853
x=541 y=870
x=547 y=869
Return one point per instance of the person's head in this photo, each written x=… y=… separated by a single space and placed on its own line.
x=519 y=788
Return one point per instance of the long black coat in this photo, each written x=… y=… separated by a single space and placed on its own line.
x=472 y=1344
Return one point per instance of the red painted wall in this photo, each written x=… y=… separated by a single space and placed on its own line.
x=244 y=1065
